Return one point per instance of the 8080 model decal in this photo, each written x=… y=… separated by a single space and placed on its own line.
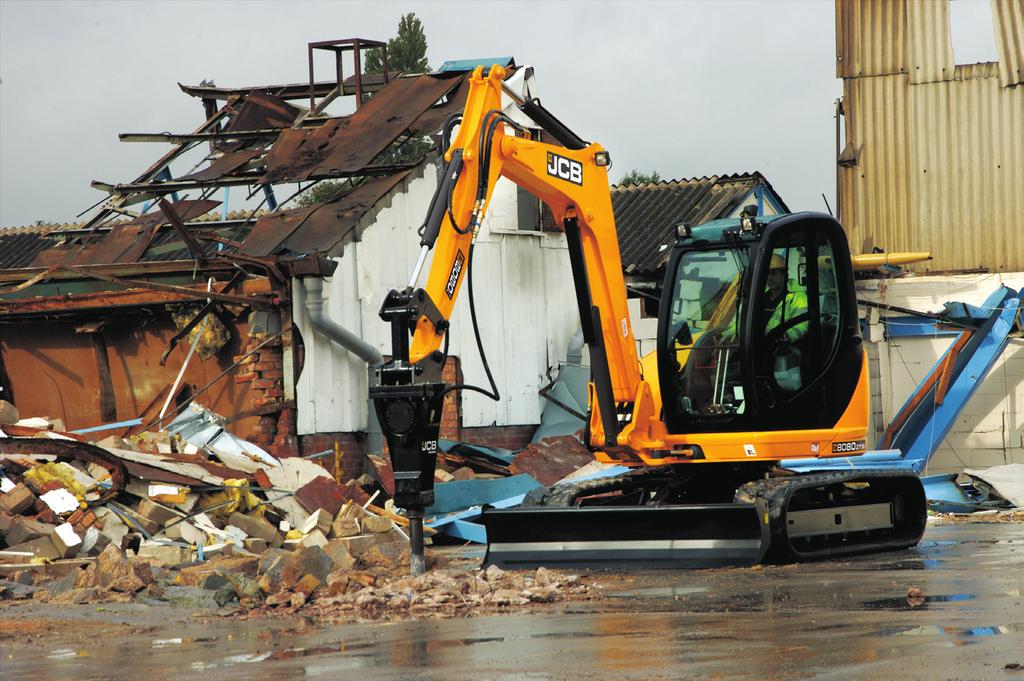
x=846 y=447
x=565 y=168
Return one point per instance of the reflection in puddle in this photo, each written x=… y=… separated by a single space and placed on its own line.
x=905 y=603
x=659 y=592
x=936 y=630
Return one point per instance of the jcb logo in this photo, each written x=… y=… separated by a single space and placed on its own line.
x=565 y=168
x=453 y=276
x=429 y=447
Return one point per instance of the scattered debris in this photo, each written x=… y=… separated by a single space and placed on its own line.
x=200 y=518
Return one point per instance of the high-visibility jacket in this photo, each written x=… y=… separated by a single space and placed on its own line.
x=792 y=305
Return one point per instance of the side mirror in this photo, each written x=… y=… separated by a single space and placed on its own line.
x=683 y=335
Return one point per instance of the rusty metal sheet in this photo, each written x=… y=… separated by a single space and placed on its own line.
x=60 y=254
x=317 y=229
x=226 y=164
x=349 y=147
x=52 y=370
x=431 y=120
x=261 y=112
x=128 y=241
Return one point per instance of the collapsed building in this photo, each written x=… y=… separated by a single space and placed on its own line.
x=269 y=315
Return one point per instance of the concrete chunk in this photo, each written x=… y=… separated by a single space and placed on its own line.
x=66 y=540
x=40 y=547
x=23 y=530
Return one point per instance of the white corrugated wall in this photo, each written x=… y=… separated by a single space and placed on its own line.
x=990 y=429
x=525 y=303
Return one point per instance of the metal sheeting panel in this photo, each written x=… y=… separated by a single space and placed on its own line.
x=1008 y=23
x=875 y=193
x=871 y=37
x=940 y=167
x=929 y=42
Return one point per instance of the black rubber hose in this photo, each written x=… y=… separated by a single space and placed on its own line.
x=493 y=394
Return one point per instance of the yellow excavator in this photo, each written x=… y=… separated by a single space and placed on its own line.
x=759 y=359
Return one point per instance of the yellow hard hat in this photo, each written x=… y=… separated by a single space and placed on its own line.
x=778 y=262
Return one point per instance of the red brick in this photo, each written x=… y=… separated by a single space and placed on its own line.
x=245 y=378
x=264 y=383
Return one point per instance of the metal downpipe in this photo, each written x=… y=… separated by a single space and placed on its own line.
x=313 y=289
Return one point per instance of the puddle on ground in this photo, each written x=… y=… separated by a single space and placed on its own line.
x=904 y=602
x=659 y=592
x=936 y=630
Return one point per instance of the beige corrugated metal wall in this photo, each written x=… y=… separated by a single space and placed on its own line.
x=1008 y=18
x=939 y=151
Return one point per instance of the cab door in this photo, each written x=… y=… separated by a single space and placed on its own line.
x=801 y=333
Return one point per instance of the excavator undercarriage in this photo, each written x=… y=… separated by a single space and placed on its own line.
x=686 y=523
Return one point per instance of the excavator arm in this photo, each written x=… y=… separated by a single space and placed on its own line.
x=573 y=181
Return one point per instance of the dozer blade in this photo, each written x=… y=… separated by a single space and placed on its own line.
x=680 y=536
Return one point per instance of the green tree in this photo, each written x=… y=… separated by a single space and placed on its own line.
x=325 y=190
x=637 y=177
x=407 y=51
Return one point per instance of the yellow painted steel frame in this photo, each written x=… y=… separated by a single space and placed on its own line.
x=583 y=193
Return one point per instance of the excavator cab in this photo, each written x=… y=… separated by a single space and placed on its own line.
x=758 y=327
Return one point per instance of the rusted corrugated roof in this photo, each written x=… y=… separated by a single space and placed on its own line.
x=319 y=228
x=646 y=215
x=344 y=146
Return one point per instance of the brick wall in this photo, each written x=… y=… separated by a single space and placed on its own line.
x=353 y=451
x=451 y=413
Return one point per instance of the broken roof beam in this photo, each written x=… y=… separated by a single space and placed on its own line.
x=156 y=189
x=371 y=82
x=253 y=302
x=172 y=138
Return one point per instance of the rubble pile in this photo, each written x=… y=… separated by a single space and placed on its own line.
x=196 y=517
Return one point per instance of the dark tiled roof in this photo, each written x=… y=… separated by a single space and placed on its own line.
x=646 y=215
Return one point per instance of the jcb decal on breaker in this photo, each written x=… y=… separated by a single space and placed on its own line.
x=453 y=277
x=429 y=447
x=565 y=168
x=847 y=447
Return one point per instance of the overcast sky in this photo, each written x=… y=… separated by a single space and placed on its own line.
x=684 y=88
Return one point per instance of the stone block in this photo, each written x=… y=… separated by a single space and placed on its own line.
x=164 y=554
x=155 y=512
x=318 y=520
x=345 y=527
x=359 y=544
x=255 y=545
x=8 y=413
x=254 y=526
x=339 y=554
x=314 y=538
x=377 y=524
x=18 y=500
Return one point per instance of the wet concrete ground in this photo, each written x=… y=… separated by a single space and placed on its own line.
x=829 y=620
